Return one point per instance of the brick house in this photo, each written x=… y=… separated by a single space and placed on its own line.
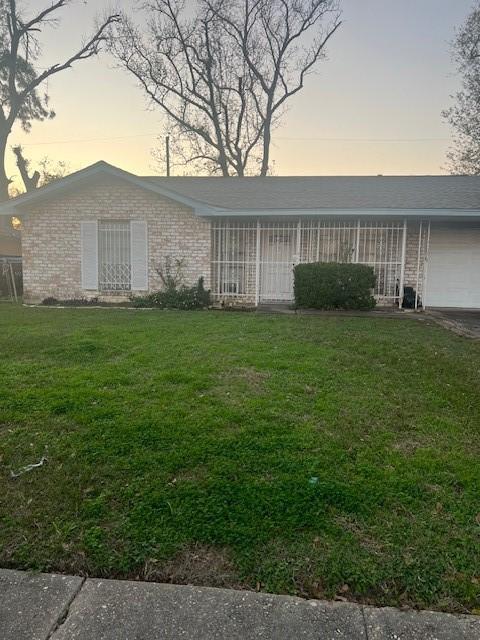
x=103 y=232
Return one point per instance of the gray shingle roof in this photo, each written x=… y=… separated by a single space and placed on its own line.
x=442 y=195
x=382 y=192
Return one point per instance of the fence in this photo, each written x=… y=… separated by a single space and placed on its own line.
x=11 y=282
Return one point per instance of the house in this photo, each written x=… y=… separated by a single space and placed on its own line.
x=103 y=232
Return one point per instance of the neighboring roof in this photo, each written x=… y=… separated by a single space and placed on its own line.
x=382 y=192
x=382 y=195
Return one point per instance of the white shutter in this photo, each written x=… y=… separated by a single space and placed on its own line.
x=139 y=255
x=89 y=242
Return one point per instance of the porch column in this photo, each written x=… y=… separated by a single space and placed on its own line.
x=357 y=240
x=425 y=268
x=420 y=240
x=257 y=266
x=299 y=241
x=401 y=287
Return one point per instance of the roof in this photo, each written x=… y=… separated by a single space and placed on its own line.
x=382 y=192
x=343 y=195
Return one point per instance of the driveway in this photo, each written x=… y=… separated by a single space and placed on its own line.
x=462 y=321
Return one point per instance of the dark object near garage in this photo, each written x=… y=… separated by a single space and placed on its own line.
x=409 y=295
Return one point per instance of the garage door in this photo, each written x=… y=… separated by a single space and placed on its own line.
x=454 y=266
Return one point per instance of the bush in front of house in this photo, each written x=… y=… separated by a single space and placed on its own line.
x=333 y=285
x=71 y=302
x=176 y=297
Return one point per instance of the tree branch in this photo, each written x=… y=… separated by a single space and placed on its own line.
x=30 y=182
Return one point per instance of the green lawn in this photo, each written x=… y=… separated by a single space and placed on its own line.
x=306 y=455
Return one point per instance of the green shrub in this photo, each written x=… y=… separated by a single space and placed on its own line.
x=50 y=301
x=331 y=285
x=176 y=297
x=70 y=302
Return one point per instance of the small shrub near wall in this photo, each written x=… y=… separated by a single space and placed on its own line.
x=321 y=285
x=72 y=302
x=176 y=297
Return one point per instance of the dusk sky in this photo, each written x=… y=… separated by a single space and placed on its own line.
x=373 y=107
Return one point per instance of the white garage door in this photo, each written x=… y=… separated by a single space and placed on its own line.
x=454 y=266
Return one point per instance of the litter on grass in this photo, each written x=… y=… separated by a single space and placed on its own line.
x=28 y=468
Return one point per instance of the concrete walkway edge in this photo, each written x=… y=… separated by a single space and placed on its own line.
x=55 y=607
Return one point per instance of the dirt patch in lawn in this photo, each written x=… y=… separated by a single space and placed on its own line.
x=194 y=474
x=250 y=377
x=233 y=384
x=407 y=447
x=9 y=427
x=197 y=564
x=365 y=540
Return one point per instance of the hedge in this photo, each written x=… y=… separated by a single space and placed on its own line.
x=332 y=285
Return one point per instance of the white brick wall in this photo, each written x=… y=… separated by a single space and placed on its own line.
x=51 y=237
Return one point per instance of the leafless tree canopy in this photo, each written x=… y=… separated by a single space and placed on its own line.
x=464 y=115
x=21 y=97
x=223 y=75
x=47 y=171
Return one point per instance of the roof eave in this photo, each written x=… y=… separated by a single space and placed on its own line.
x=258 y=213
x=14 y=206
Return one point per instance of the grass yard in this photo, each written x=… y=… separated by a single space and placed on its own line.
x=315 y=456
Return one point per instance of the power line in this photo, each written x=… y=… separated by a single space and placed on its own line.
x=85 y=140
x=285 y=138
x=372 y=140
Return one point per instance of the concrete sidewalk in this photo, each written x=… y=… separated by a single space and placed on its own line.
x=54 y=607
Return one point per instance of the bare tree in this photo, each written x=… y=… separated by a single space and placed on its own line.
x=47 y=170
x=464 y=114
x=186 y=67
x=223 y=77
x=273 y=37
x=21 y=80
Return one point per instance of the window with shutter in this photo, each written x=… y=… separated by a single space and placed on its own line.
x=139 y=253
x=89 y=251
x=114 y=256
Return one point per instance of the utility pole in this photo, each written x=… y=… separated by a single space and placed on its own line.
x=167 y=145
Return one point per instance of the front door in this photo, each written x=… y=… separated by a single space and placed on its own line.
x=277 y=260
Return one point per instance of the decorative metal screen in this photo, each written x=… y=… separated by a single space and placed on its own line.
x=256 y=259
x=380 y=246
x=114 y=260
x=278 y=254
x=234 y=258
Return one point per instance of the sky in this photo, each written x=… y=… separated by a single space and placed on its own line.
x=373 y=107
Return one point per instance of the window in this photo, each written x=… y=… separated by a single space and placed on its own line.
x=114 y=258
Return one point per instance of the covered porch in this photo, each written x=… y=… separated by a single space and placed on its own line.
x=253 y=260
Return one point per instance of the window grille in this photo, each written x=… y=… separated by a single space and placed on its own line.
x=114 y=259
x=234 y=258
x=238 y=272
